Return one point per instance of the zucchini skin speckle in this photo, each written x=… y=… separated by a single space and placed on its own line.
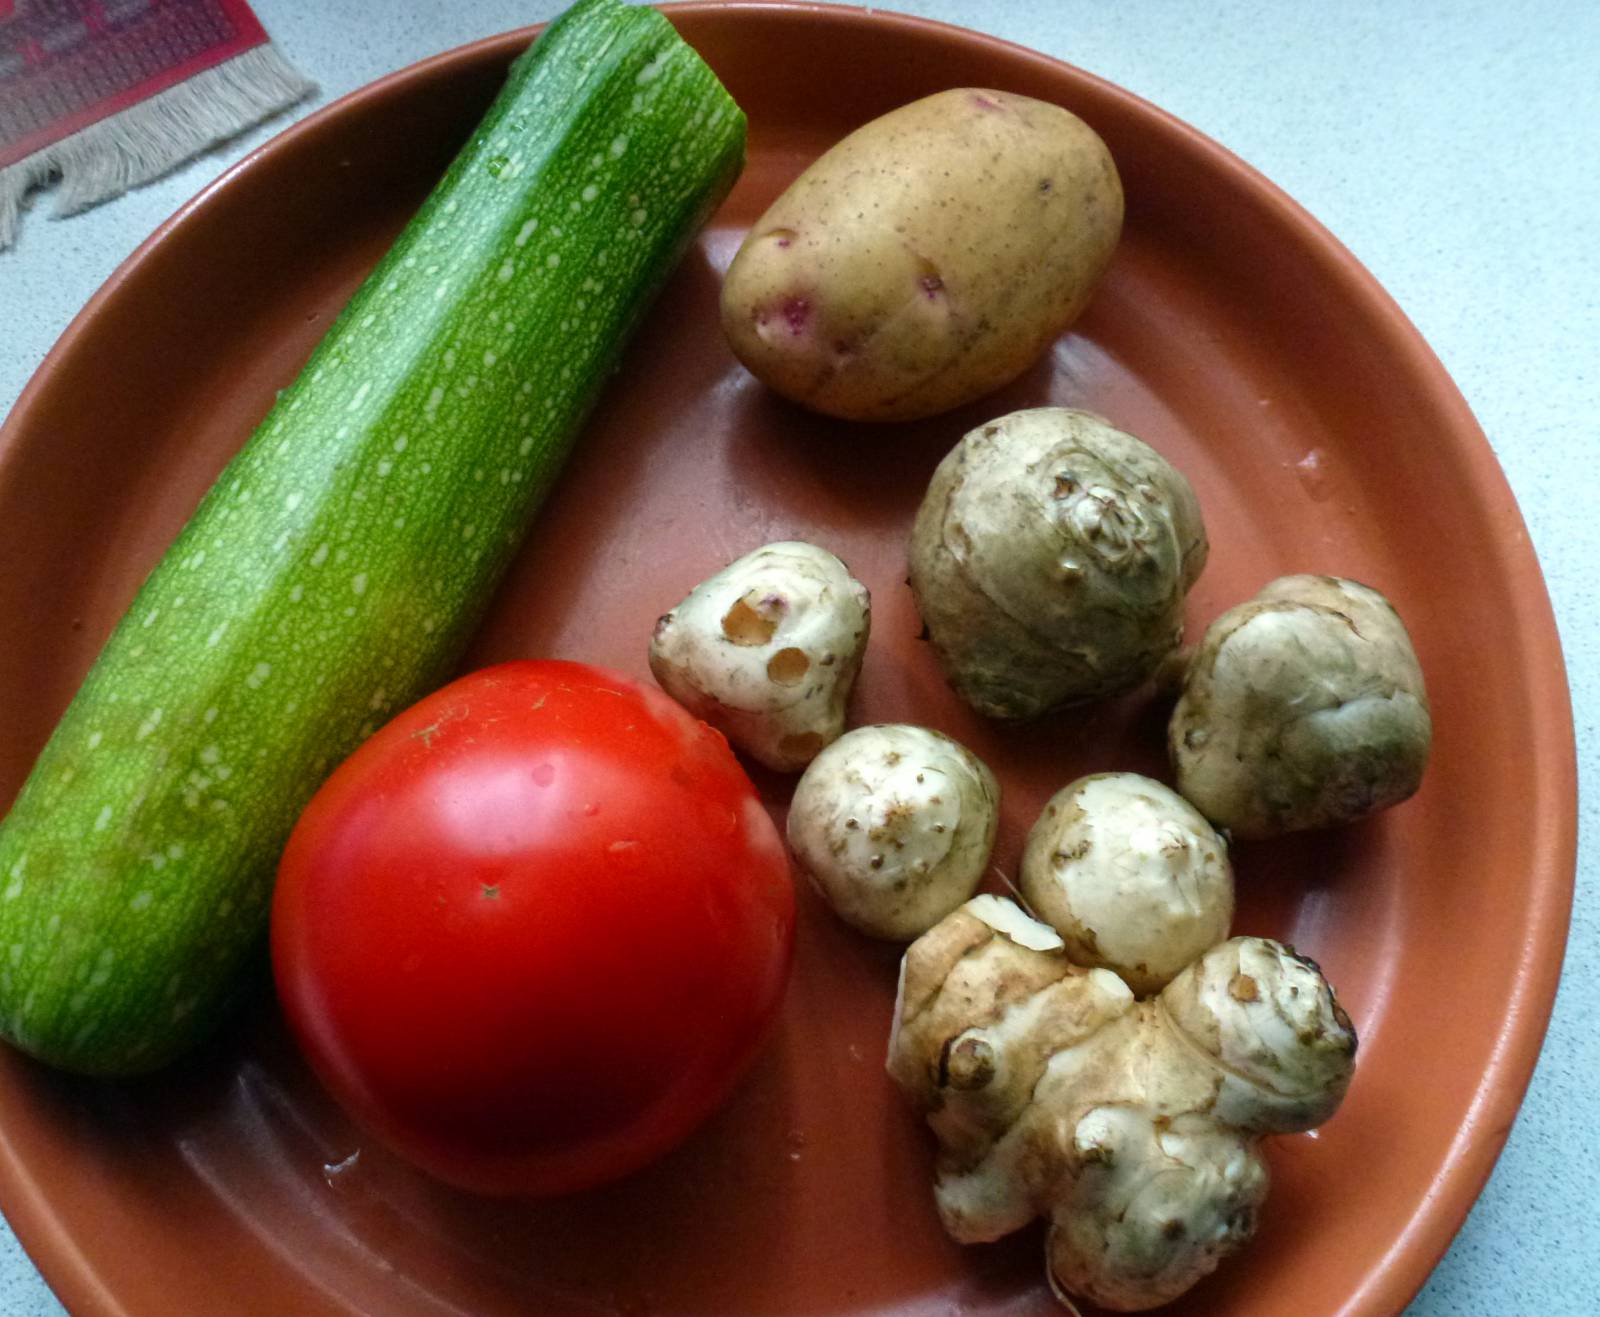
x=335 y=570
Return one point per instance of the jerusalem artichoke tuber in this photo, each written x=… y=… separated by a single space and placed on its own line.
x=1130 y=875
x=1302 y=708
x=767 y=651
x=1050 y=559
x=894 y=826
x=1133 y=1126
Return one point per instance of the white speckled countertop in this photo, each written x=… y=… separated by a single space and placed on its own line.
x=1451 y=145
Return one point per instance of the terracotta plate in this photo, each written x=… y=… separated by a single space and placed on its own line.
x=1232 y=332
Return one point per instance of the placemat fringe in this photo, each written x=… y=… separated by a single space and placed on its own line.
x=144 y=141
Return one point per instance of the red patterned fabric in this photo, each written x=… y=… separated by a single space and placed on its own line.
x=65 y=64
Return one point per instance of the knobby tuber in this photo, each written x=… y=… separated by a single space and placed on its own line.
x=1050 y=559
x=1133 y=1127
x=1130 y=875
x=894 y=826
x=767 y=651
x=1301 y=708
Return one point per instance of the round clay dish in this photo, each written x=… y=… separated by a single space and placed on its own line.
x=1232 y=333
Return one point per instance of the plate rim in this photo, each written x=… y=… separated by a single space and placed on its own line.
x=1395 y=1277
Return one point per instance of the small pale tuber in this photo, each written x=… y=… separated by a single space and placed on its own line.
x=894 y=826
x=1050 y=559
x=1134 y=1127
x=767 y=651
x=1130 y=875
x=1302 y=708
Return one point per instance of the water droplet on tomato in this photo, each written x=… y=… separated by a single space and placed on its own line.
x=720 y=821
x=626 y=854
x=544 y=775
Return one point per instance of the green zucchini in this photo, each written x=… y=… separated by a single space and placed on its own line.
x=333 y=573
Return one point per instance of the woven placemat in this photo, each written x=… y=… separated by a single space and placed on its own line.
x=103 y=95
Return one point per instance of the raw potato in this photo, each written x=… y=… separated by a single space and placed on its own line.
x=1130 y=875
x=1303 y=708
x=1134 y=1127
x=927 y=259
x=1050 y=559
x=894 y=826
x=767 y=651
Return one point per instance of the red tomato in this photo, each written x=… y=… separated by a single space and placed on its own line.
x=531 y=933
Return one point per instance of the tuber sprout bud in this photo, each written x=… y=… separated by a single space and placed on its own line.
x=1050 y=559
x=894 y=826
x=1303 y=708
x=1010 y=920
x=1130 y=875
x=767 y=651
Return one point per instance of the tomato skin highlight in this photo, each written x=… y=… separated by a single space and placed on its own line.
x=532 y=932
